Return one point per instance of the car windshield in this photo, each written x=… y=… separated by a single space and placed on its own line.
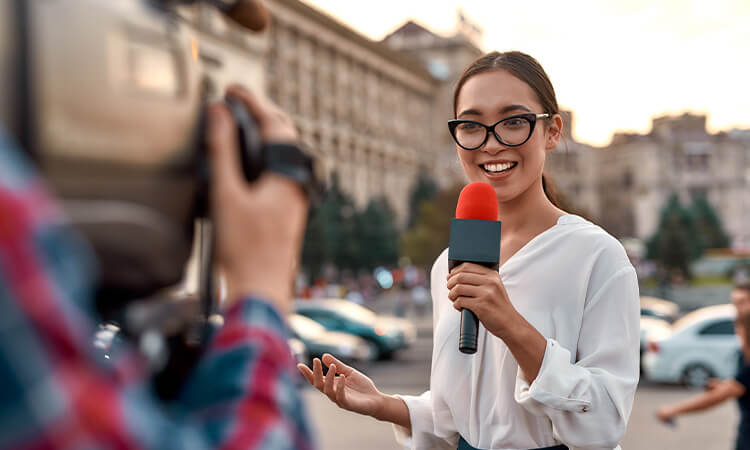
x=355 y=312
x=305 y=327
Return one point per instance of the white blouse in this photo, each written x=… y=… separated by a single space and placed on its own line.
x=576 y=286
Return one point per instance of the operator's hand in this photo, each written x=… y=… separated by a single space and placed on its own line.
x=259 y=227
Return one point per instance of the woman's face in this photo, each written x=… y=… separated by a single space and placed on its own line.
x=487 y=98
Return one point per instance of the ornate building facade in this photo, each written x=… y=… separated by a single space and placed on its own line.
x=625 y=185
x=376 y=112
x=359 y=105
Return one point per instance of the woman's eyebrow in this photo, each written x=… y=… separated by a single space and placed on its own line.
x=469 y=112
x=510 y=108
x=504 y=110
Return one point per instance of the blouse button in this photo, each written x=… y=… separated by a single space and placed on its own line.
x=585 y=408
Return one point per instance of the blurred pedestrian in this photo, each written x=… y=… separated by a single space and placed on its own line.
x=719 y=391
x=420 y=296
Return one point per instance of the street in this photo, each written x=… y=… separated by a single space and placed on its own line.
x=408 y=373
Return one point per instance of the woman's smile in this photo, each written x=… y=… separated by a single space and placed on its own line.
x=495 y=170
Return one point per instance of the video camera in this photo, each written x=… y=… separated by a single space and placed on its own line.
x=108 y=99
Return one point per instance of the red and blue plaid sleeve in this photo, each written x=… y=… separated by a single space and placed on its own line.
x=55 y=394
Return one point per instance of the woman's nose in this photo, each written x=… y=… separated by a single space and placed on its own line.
x=493 y=146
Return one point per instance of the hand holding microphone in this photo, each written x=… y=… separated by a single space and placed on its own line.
x=473 y=260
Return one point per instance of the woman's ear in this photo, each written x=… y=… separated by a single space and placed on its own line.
x=554 y=132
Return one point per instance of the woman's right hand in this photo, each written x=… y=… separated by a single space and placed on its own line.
x=350 y=390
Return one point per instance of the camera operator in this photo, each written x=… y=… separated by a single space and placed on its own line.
x=241 y=393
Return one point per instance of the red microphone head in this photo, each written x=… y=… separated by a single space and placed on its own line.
x=477 y=201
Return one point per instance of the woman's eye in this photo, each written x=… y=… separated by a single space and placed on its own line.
x=468 y=127
x=513 y=123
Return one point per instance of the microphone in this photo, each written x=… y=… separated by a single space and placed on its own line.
x=475 y=238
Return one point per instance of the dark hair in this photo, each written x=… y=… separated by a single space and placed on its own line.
x=526 y=69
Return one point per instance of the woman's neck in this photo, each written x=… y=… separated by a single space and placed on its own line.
x=531 y=211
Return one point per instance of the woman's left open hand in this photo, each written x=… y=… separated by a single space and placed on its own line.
x=480 y=290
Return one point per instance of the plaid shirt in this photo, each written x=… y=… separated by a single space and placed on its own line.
x=54 y=393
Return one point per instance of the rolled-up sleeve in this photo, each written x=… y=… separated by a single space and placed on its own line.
x=422 y=434
x=588 y=396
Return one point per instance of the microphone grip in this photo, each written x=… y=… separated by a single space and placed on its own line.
x=468 y=331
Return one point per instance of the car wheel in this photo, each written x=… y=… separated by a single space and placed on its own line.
x=375 y=353
x=696 y=376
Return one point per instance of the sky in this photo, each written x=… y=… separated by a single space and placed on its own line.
x=615 y=63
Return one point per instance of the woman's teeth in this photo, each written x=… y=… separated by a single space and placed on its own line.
x=501 y=167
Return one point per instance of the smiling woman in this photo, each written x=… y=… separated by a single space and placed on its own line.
x=557 y=354
x=526 y=81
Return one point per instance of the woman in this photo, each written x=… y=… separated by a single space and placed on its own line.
x=557 y=358
x=719 y=391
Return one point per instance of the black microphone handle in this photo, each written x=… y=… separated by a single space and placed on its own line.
x=468 y=331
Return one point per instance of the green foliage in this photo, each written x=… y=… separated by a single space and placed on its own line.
x=429 y=235
x=708 y=223
x=676 y=242
x=339 y=235
x=377 y=235
x=425 y=189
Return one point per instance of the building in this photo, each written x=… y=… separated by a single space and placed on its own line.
x=627 y=183
x=376 y=113
x=572 y=169
x=362 y=107
x=445 y=58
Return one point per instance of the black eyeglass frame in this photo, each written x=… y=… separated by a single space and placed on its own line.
x=530 y=117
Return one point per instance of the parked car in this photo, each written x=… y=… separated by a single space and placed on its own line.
x=384 y=335
x=651 y=326
x=318 y=341
x=699 y=346
x=659 y=308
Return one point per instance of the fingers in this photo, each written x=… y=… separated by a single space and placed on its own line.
x=340 y=390
x=329 y=359
x=462 y=303
x=259 y=108
x=306 y=372
x=264 y=111
x=222 y=143
x=464 y=290
x=328 y=383
x=465 y=278
x=468 y=267
x=318 y=374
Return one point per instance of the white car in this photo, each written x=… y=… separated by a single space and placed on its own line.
x=699 y=346
x=650 y=326
x=659 y=308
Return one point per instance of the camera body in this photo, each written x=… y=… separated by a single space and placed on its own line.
x=108 y=99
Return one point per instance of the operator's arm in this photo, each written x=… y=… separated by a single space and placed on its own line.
x=55 y=394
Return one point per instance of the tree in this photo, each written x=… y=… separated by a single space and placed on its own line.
x=376 y=235
x=708 y=223
x=431 y=231
x=425 y=189
x=339 y=235
x=676 y=241
x=330 y=235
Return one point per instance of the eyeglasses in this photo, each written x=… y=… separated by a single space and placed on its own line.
x=511 y=131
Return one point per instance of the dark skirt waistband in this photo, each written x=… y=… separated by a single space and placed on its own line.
x=463 y=445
